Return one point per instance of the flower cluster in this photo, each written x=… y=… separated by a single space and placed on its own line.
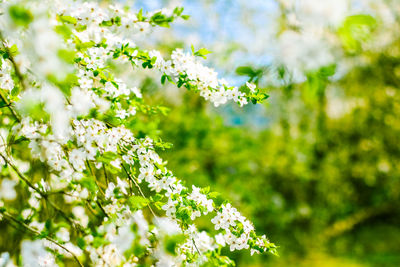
x=98 y=192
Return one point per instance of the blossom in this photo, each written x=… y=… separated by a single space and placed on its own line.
x=6 y=82
x=77 y=158
x=68 y=111
x=170 y=207
x=7 y=191
x=110 y=190
x=63 y=234
x=85 y=82
x=79 y=213
x=251 y=86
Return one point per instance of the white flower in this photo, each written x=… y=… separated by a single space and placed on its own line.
x=141 y=27
x=170 y=207
x=26 y=213
x=63 y=234
x=201 y=200
x=146 y=173
x=85 y=82
x=79 y=212
x=137 y=92
x=5 y=260
x=123 y=185
x=116 y=163
x=195 y=214
x=6 y=82
x=81 y=101
x=77 y=158
x=7 y=191
x=166 y=67
x=122 y=113
x=34 y=254
x=111 y=255
x=251 y=86
x=110 y=190
x=167 y=226
x=220 y=240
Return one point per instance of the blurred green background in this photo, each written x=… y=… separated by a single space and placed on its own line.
x=317 y=166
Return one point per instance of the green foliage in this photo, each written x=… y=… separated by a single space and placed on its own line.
x=20 y=15
x=68 y=19
x=138 y=202
x=173 y=242
x=355 y=30
x=202 y=52
x=252 y=73
x=319 y=179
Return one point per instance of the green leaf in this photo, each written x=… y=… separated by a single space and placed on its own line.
x=13 y=50
x=213 y=194
x=185 y=17
x=355 y=30
x=20 y=15
x=99 y=241
x=138 y=202
x=327 y=71
x=89 y=183
x=63 y=30
x=202 y=52
x=163 y=78
x=66 y=55
x=68 y=19
x=205 y=190
x=107 y=23
x=140 y=15
x=178 y=11
x=80 y=242
x=172 y=242
x=184 y=213
x=161 y=20
x=85 y=45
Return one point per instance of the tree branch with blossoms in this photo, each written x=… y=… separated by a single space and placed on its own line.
x=81 y=148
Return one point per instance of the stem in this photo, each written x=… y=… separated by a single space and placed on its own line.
x=101 y=207
x=9 y=106
x=21 y=176
x=194 y=243
x=105 y=174
x=138 y=187
x=43 y=195
x=98 y=186
x=16 y=68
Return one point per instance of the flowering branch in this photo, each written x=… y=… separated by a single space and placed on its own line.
x=78 y=119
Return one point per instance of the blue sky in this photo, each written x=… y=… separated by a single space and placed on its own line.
x=226 y=22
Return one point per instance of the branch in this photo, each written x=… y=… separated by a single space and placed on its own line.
x=138 y=187
x=8 y=104
x=11 y=218
x=43 y=195
x=348 y=223
x=11 y=58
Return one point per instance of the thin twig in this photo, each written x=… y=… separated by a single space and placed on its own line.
x=138 y=187
x=94 y=177
x=42 y=194
x=102 y=209
x=194 y=243
x=95 y=180
x=16 y=68
x=105 y=173
x=11 y=218
x=8 y=105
